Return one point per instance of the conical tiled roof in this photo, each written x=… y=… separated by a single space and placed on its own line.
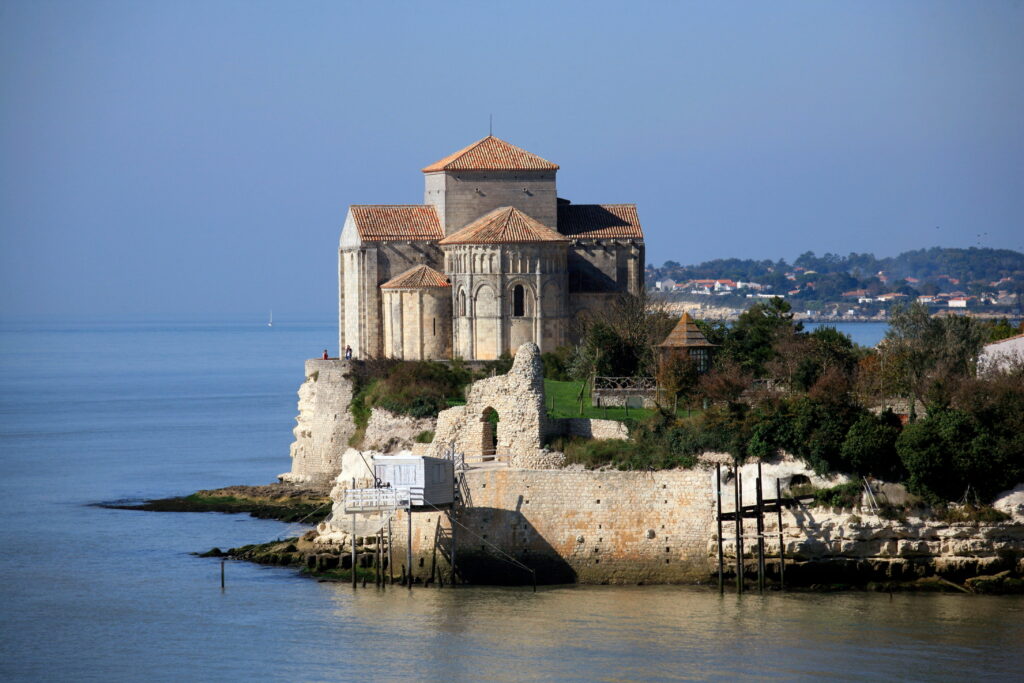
x=492 y=154
x=685 y=333
x=503 y=225
x=417 y=277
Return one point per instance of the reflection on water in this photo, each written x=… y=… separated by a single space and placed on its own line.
x=649 y=633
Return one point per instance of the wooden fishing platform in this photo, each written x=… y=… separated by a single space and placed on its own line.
x=756 y=511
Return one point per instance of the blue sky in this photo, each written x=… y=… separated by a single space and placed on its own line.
x=197 y=158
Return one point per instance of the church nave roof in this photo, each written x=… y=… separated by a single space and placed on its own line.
x=503 y=225
x=491 y=154
x=391 y=222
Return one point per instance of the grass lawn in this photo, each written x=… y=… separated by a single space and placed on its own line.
x=566 y=403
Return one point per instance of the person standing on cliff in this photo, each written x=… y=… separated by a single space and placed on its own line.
x=348 y=352
x=325 y=354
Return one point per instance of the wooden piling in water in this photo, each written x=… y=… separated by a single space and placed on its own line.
x=391 y=563
x=782 y=540
x=718 y=496
x=408 y=513
x=738 y=486
x=760 y=532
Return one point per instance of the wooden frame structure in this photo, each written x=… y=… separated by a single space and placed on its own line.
x=757 y=511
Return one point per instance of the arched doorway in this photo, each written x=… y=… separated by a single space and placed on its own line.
x=488 y=433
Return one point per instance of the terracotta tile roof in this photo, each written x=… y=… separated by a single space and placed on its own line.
x=685 y=333
x=390 y=222
x=491 y=154
x=417 y=277
x=505 y=224
x=599 y=221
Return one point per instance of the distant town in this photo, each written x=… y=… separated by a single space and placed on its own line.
x=980 y=282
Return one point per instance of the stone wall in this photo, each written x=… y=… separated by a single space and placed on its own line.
x=617 y=398
x=324 y=424
x=591 y=429
x=569 y=525
x=387 y=432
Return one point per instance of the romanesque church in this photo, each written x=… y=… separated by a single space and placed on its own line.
x=492 y=259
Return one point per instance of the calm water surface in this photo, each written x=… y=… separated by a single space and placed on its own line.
x=123 y=411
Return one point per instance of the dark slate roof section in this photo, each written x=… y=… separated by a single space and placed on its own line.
x=599 y=221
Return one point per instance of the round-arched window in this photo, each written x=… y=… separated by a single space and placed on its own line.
x=518 y=301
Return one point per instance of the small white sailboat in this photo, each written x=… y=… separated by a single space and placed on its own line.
x=270 y=323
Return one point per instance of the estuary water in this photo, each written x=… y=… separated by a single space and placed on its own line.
x=112 y=411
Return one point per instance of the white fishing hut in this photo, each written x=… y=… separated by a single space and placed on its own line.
x=430 y=481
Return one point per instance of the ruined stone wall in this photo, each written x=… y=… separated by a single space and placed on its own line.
x=518 y=398
x=324 y=424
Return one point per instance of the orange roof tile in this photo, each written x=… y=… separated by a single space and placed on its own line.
x=417 y=277
x=505 y=224
x=599 y=221
x=685 y=333
x=491 y=154
x=390 y=222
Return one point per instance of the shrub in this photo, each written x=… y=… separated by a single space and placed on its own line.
x=424 y=437
x=556 y=364
x=953 y=514
x=416 y=388
x=841 y=496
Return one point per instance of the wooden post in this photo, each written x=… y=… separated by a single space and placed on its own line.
x=352 y=538
x=455 y=538
x=760 y=533
x=782 y=541
x=739 y=531
x=377 y=557
x=222 y=574
x=433 y=554
x=718 y=498
x=408 y=551
x=391 y=564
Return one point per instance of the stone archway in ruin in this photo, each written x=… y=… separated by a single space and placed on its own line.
x=488 y=432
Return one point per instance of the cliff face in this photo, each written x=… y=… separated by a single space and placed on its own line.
x=324 y=424
x=832 y=545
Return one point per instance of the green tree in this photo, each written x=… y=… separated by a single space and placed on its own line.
x=752 y=337
x=923 y=357
x=870 y=446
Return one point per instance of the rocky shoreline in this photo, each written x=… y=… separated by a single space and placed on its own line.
x=283 y=502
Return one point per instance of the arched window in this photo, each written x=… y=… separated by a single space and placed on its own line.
x=518 y=301
x=462 y=303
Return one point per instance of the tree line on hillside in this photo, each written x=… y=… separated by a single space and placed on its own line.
x=775 y=387
x=827 y=277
